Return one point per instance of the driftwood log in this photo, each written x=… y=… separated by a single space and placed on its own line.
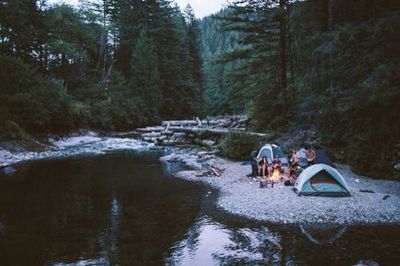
x=212 y=171
x=204 y=132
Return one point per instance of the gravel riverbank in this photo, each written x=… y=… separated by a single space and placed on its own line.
x=87 y=143
x=242 y=196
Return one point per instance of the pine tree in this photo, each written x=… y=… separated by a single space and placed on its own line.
x=193 y=34
x=264 y=51
x=22 y=30
x=145 y=74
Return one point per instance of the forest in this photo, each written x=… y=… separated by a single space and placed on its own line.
x=113 y=65
x=108 y=65
x=330 y=66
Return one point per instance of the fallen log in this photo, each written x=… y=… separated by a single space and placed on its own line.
x=167 y=128
x=167 y=133
x=208 y=143
x=153 y=140
x=167 y=143
x=151 y=135
x=179 y=135
x=199 y=122
x=214 y=131
x=150 y=129
x=216 y=171
x=162 y=138
x=205 y=153
x=125 y=134
x=215 y=122
x=179 y=123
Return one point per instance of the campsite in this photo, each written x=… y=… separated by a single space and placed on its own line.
x=281 y=204
x=199 y=132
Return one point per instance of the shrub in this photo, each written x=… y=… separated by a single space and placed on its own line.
x=12 y=130
x=35 y=103
x=238 y=145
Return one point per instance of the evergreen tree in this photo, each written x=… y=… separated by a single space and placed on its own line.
x=219 y=84
x=193 y=34
x=145 y=73
x=264 y=53
x=22 y=29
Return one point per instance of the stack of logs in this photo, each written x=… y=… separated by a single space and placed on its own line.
x=213 y=171
x=206 y=132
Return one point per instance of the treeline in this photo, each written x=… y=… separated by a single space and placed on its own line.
x=109 y=64
x=220 y=90
x=328 y=65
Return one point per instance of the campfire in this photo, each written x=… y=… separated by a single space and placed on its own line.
x=276 y=175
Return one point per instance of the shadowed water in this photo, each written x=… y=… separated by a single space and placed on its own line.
x=125 y=208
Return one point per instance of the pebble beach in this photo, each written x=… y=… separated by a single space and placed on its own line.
x=242 y=196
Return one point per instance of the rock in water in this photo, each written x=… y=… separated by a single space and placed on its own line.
x=9 y=170
x=386 y=197
x=366 y=263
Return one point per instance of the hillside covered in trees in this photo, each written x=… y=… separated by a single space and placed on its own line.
x=330 y=66
x=109 y=65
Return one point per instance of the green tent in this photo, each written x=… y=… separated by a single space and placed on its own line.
x=321 y=180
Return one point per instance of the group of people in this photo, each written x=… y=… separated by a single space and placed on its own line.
x=302 y=158
x=297 y=162
x=260 y=166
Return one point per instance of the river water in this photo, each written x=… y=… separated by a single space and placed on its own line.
x=125 y=208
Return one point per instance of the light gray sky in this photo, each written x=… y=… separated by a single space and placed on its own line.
x=201 y=7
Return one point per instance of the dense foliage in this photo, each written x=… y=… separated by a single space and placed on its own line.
x=328 y=65
x=109 y=65
x=239 y=145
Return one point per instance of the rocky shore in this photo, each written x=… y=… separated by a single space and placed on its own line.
x=378 y=204
x=75 y=144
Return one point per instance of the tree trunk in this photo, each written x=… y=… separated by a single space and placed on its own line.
x=64 y=64
x=282 y=55
x=330 y=14
x=290 y=45
x=282 y=44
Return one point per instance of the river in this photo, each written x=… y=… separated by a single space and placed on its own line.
x=124 y=207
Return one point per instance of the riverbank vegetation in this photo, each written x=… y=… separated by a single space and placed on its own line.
x=330 y=67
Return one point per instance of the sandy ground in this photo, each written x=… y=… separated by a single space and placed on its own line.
x=242 y=196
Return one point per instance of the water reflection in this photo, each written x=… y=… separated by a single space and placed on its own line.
x=2 y=224
x=323 y=234
x=209 y=242
x=241 y=242
x=115 y=211
x=125 y=209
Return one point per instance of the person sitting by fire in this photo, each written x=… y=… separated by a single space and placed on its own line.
x=294 y=162
x=276 y=168
x=263 y=167
x=310 y=155
x=253 y=162
x=276 y=163
x=294 y=174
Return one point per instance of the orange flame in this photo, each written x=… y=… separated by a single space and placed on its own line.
x=276 y=175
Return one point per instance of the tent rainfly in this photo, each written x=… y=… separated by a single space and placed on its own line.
x=321 y=180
